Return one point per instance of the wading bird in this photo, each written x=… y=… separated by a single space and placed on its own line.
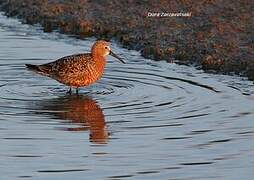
x=78 y=70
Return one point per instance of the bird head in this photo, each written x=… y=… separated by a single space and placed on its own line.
x=102 y=48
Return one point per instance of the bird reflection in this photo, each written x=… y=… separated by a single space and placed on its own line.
x=81 y=110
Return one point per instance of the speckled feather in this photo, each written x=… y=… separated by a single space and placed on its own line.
x=75 y=70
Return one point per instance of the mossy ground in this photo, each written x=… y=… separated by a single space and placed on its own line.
x=218 y=36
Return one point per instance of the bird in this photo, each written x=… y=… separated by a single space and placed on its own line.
x=78 y=70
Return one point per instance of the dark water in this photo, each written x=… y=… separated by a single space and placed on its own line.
x=143 y=120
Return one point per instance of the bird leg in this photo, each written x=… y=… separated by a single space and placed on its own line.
x=69 y=92
x=77 y=90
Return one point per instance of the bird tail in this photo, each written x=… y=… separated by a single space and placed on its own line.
x=33 y=67
x=38 y=69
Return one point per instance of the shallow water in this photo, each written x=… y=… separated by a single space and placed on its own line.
x=142 y=120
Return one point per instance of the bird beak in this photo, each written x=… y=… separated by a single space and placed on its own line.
x=117 y=57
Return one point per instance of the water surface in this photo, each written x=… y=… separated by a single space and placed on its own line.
x=142 y=120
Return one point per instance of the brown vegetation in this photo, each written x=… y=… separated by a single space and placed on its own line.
x=218 y=36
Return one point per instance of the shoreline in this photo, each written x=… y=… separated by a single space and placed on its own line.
x=215 y=38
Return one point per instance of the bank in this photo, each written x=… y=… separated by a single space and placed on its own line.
x=218 y=36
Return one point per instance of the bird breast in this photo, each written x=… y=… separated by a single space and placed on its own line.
x=95 y=71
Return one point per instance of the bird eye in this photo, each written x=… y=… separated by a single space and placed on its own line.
x=106 y=47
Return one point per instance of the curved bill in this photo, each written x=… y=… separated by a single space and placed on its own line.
x=117 y=57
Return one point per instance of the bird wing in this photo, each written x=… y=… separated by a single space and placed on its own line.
x=67 y=65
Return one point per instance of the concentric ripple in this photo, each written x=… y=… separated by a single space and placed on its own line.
x=142 y=120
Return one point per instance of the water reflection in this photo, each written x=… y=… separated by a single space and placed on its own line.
x=81 y=110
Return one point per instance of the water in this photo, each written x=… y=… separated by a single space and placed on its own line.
x=143 y=120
